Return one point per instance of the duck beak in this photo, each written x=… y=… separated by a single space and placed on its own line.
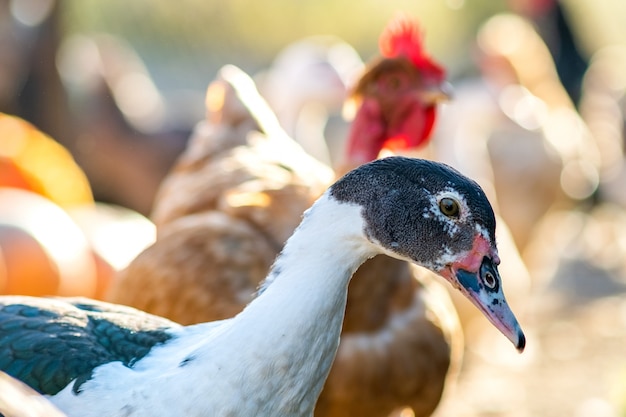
x=484 y=289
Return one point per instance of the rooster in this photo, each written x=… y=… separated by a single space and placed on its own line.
x=397 y=96
x=238 y=191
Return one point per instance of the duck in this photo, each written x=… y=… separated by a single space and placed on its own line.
x=237 y=193
x=93 y=358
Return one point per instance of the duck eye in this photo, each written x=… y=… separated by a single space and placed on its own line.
x=490 y=280
x=449 y=207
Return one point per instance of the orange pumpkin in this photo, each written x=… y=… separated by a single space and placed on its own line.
x=33 y=161
x=12 y=176
x=26 y=266
x=44 y=252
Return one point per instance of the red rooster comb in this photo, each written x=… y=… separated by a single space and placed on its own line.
x=402 y=37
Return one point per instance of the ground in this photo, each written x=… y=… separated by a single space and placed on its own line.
x=574 y=363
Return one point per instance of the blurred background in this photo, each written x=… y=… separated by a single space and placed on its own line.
x=113 y=90
x=60 y=58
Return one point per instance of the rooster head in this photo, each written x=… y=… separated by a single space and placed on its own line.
x=397 y=95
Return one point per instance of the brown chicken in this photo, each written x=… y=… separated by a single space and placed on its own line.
x=229 y=204
x=239 y=190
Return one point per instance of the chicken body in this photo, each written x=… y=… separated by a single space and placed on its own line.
x=227 y=207
x=533 y=129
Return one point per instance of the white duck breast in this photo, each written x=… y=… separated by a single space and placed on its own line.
x=96 y=359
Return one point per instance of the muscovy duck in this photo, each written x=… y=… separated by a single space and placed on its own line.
x=95 y=358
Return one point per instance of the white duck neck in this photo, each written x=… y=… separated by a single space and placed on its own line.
x=290 y=333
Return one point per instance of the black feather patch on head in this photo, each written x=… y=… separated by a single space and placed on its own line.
x=398 y=196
